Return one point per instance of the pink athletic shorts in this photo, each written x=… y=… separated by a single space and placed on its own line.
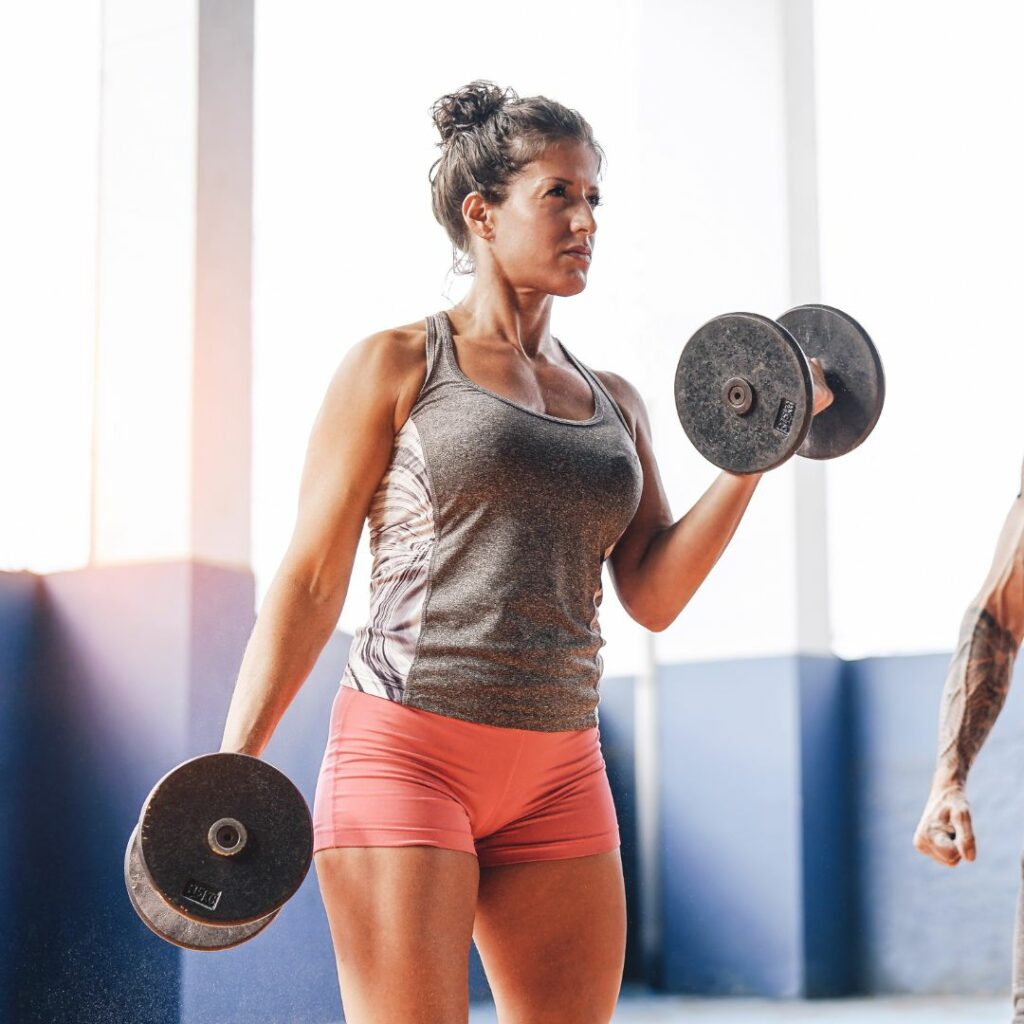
x=400 y=776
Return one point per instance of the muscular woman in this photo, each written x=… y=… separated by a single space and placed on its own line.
x=976 y=686
x=462 y=792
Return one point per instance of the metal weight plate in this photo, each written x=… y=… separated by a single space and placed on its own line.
x=225 y=839
x=853 y=370
x=163 y=920
x=743 y=393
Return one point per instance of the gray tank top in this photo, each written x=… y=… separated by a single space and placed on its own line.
x=488 y=532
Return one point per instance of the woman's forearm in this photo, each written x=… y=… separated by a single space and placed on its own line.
x=681 y=556
x=290 y=632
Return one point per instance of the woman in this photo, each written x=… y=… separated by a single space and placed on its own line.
x=463 y=792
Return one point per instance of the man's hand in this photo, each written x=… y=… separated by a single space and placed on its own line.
x=945 y=831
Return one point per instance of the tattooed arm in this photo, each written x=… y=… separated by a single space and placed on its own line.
x=976 y=686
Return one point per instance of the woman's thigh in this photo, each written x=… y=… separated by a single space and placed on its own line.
x=552 y=937
x=401 y=921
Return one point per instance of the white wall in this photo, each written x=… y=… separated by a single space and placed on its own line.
x=922 y=209
x=49 y=108
x=687 y=100
x=920 y=167
x=146 y=274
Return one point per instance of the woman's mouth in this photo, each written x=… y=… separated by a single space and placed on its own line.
x=581 y=254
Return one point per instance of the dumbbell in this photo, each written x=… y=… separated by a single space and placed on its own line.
x=744 y=394
x=222 y=843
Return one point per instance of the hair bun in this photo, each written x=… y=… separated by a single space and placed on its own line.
x=469 y=107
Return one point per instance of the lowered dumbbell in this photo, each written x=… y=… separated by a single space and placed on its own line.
x=744 y=394
x=223 y=841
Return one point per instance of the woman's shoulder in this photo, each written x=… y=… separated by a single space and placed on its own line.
x=385 y=370
x=391 y=354
x=404 y=343
x=395 y=358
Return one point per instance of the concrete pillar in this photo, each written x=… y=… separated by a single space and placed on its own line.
x=748 y=806
x=811 y=519
x=173 y=345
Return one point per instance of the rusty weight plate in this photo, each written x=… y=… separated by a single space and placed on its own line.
x=163 y=920
x=743 y=393
x=225 y=839
x=853 y=370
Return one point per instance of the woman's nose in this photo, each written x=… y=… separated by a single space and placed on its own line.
x=583 y=217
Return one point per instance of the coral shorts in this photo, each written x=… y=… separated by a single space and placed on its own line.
x=399 y=776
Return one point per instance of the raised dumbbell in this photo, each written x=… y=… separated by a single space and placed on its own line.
x=744 y=394
x=223 y=841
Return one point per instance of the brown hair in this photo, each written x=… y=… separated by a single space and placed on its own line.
x=488 y=135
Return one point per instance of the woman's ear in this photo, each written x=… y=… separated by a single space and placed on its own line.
x=476 y=212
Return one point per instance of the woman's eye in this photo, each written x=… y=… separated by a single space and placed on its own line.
x=559 y=190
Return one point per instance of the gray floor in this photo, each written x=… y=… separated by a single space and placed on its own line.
x=901 y=1010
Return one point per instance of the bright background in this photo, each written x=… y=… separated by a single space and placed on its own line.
x=919 y=162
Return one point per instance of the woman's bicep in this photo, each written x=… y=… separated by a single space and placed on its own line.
x=653 y=513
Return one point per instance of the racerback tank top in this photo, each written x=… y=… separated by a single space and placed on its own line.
x=488 y=532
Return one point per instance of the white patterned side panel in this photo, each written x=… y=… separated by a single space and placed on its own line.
x=401 y=523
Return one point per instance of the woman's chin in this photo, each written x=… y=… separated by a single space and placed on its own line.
x=573 y=286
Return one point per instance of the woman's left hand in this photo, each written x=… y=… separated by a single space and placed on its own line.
x=823 y=396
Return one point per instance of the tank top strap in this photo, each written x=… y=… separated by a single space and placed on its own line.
x=440 y=367
x=433 y=343
x=593 y=377
x=438 y=339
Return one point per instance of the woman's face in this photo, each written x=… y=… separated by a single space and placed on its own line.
x=549 y=211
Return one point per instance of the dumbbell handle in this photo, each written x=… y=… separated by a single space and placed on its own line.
x=821 y=389
x=738 y=392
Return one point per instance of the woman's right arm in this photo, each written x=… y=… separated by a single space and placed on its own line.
x=348 y=453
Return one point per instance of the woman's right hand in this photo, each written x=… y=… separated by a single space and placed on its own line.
x=945 y=832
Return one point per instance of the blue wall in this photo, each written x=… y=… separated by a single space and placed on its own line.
x=924 y=927
x=790 y=791
x=790 y=788
x=108 y=678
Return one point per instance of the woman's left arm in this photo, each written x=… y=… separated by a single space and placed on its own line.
x=659 y=563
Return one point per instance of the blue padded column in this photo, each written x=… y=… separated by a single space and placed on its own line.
x=730 y=813
x=107 y=703
x=756 y=888
x=828 y=829
x=19 y=599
